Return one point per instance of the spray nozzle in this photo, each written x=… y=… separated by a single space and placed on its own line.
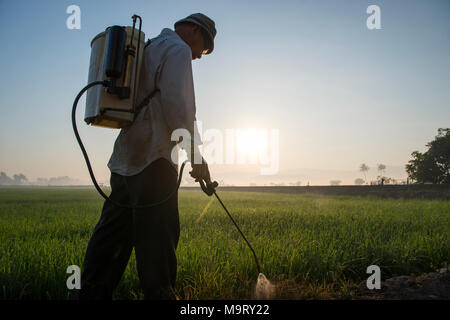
x=264 y=289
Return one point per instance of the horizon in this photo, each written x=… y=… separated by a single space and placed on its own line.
x=297 y=177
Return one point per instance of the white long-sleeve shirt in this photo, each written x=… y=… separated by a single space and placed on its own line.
x=167 y=66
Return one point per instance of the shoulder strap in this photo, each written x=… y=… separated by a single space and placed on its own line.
x=146 y=100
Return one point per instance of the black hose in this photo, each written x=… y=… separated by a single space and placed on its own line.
x=88 y=163
x=208 y=190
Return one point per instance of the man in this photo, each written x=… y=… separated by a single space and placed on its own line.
x=144 y=170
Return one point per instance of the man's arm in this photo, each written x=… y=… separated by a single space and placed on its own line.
x=177 y=93
x=178 y=103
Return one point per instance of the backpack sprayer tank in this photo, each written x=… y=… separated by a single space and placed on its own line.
x=111 y=92
x=116 y=55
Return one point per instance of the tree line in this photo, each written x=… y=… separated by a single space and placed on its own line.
x=21 y=180
x=432 y=166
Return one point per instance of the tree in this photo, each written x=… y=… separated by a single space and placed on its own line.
x=19 y=179
x=335 y=182
x=4 y=179
x=364 y=168
x=359 y=181
x=382 y=180
x=381 y=169
x=434 y=164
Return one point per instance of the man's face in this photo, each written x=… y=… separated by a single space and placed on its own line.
x=197 y=43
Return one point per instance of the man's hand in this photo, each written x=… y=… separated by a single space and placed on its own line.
x=200 y=172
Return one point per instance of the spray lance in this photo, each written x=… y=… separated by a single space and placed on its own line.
x=116 y=55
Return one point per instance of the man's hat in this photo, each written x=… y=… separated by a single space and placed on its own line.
x=206 y=24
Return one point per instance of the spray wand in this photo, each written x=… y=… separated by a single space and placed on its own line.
x=264 y=288
x=209 y=189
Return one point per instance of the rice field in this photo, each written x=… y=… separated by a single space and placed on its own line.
x=310 y=246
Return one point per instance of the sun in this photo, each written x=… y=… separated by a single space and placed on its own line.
x=251 y=142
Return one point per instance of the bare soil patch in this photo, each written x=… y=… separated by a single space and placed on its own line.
x=429 y=286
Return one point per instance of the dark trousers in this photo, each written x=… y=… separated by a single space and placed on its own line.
x=153 y=232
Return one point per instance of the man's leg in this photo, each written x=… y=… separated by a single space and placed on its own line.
x=157 y=229
x=110 y=246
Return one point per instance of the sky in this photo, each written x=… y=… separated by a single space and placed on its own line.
x=338 y=93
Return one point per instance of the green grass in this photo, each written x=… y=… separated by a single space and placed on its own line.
x=310 y=246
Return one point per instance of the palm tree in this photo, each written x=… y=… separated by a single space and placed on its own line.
x=364 y=168
x=381 y=168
